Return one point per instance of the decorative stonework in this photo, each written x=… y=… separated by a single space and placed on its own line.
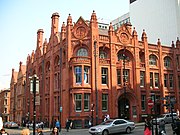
x=124 y=38
x=80 y=32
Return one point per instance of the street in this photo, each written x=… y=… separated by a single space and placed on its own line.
x=138 y=131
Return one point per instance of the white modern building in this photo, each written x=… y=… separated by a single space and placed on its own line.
x=159 y=18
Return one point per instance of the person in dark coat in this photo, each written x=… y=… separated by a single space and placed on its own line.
x=67 y=125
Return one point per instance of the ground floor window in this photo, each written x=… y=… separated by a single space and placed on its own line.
x=104 y=102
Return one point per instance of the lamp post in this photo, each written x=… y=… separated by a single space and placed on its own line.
x=33 y=89
x=124 y=81
x=92 y=110
x=155 y=111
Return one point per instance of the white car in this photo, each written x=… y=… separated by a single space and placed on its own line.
x=167 y=118
x=112 y=126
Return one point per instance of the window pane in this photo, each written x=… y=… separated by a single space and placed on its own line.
x=78 y=100
x=82 y=52
x=104 y=102
x=151 y=79
x=118 y=76
x=104 y=75
x=171 y=80
x=156 y=80
x=102 y=54
x=143 y=102
x=165 y=80
x=86 y=74
x=142 y=78
x=86 y=102
x=152 y=60
x=78 y=72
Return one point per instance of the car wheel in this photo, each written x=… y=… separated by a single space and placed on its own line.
x=105 y=132
x=128 y=130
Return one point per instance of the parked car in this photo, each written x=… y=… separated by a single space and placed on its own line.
x=112 y=126
x=5 y=124
x=167 y=118
x=12 y=125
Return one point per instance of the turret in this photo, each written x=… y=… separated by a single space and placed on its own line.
x=144 y=36
x=55 y=23
x=39 y=38
x=63 y=31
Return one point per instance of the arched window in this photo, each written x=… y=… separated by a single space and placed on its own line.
x=82 y=52
x=122 y=56
x=102 y=54
x=152 y=60
x=167 y=62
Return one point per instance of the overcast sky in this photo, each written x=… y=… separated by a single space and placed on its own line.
x=20 y=20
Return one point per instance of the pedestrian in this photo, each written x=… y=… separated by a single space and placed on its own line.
x=54 y=131
x=25 y=131
x=162 y=127
x=58 y=125
x=67 y=125
x=147 y=128
x=3 y=132
x=39 y=131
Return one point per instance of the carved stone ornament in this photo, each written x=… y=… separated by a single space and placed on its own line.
x=124 y=38
x=80 y=32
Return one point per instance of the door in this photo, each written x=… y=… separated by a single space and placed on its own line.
x=123 y=108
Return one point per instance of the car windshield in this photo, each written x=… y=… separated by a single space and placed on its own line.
x=161 y=116
x=108 y=122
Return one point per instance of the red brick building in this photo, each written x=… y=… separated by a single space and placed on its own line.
x=83 y=68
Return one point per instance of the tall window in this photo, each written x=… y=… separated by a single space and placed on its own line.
x=152 y=60
x=56 y=81
x=86 y=74
x=86 y=101
x=165 y=80
x=78 y=101
x=151 y=79
x=171 y=80
x=118 y=76
x=156 y=80
x=104 y=102
x=82 y=52
x=78 y=72
x=143 y=102
x=167 y=62
x=104 y=75
x=179 y=82
x=102 y=54
x=142 y=74
x=125 y=75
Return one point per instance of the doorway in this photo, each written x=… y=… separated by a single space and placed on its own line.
x=123 y=108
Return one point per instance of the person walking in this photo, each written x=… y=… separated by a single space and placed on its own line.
x=58 y=125
x=54 y=131
x=67 y=125
x=147 y=127
x=162 y=127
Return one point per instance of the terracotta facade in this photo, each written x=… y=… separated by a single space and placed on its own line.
x=86 y=72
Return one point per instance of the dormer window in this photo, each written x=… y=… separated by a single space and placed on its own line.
x=152 y=60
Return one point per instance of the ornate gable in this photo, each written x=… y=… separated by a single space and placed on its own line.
x=124 y=35
x=81 y=29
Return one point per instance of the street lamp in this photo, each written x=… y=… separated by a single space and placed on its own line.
x=34 y=88
x=92 y=110
x=155 y=111
x=124 y=81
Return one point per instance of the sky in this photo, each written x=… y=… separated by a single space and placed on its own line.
x=20 y=20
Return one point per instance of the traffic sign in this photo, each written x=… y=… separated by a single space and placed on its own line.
x=150 y=103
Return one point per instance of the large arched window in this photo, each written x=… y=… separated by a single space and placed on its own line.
x=152 y=60
x=102 y=54
x=82 y=52
x=167 y=62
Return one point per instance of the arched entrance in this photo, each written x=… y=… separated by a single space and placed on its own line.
x=123 y=108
